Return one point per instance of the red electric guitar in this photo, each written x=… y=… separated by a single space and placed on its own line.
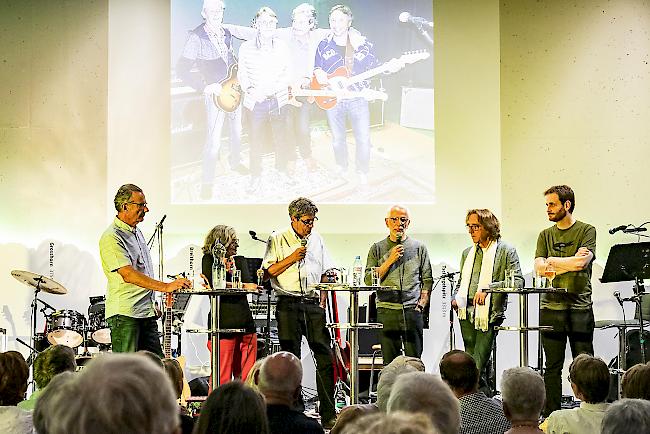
x=340 y=80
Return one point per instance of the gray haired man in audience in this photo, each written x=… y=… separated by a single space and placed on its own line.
x=419 y=392
x=523 y=394
x=589 y=377
x=279 y=380
x=116 y=393
x=478 y=413
x=627 y=416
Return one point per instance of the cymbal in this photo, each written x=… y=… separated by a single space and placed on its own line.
x=43 y=283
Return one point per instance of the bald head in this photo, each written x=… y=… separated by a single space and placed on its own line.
x=400 y=209
x=280 y=373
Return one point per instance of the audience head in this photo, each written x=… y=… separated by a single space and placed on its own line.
x=115 y=393
x=151 y=356
x=350 y=414
x=233 y=408
x=13 y=378
x=52 y=414
x=399 y=366
x=52 y=361
x=394 y=423
x=523 y=394
x=280 y=377
x=254 y=372
x=589 y=378
x=458 y=369
x=627 y=416
x=419 y=392
x=636 y=382
x=175 y=374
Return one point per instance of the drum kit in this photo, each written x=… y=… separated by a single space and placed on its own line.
x=64 y=327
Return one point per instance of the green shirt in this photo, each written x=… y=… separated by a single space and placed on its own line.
x=564 y=243
x=119 y=246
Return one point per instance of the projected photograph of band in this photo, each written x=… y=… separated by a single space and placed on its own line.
x=320 y=98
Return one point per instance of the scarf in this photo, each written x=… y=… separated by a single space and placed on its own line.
x=481 y=312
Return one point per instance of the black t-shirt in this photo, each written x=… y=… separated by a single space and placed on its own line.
x=234 y=311
x=282 y=419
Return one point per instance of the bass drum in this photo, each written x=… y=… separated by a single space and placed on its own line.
x=66 y=327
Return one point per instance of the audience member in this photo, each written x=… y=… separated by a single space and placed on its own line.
x=589 y=377
x=419 y=392
x=400 y=365
x=51 y=412
x=636 y=382
x=13 y=385
x=350 y=414
x=279 y=380
x=478 y=413
x=175 y=374
x=398 y=422
x=151 y=356
x=523 y=394
x=233 y=408
x=50 y=362
x=250 y=378
x=627 y=416
x=115 y=393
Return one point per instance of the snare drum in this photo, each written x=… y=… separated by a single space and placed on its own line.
x=66 y=327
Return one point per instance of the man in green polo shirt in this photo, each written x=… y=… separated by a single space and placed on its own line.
x=127 y=265
x=565 y=251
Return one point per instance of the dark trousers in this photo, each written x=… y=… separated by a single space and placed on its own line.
x=298 y=128
x=298 y=317
x=400 y=326
x=479 y=345
x=264 y=115
x=578 y=327
x=134 y=334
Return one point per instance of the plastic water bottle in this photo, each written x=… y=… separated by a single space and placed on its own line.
x=357 y=272
x=218 y=266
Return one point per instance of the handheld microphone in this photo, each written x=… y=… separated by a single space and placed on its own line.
x=612 y=231
x=399 y=236
x=406 y=17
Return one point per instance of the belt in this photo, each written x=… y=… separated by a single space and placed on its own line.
x=299 y=299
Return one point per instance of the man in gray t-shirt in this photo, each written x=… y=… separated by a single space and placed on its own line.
x=402 y=262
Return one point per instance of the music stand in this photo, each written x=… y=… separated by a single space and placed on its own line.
x=630 y=262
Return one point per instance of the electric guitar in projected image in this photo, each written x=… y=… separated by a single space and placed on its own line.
x=230 y=97
x=340 y=80
x=289 y=96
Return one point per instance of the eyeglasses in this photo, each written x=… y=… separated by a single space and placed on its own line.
x=473 y=228
x=308 y=222
x=398 y=219
x=140 y=205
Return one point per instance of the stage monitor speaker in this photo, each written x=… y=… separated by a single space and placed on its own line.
x=417 y=108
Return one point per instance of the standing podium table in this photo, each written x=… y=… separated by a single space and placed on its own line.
x=353 y=325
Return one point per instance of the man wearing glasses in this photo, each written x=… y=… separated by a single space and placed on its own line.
x=127 y=265
x=483 y=266
x=295 y=259
x=402 y=262
x=565 y=252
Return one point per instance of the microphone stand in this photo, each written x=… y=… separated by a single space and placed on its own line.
x=424 y=33
x=158 y=234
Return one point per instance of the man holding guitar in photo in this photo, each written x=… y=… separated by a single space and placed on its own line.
x=344 y=53
x=265 y=71
x=209 y=49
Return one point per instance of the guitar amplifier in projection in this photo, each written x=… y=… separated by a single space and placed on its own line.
x=417 y=108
